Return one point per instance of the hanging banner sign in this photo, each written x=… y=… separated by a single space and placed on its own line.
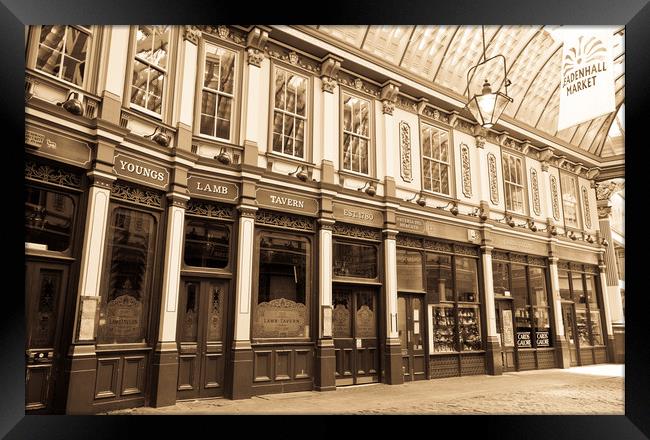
x=587 y=83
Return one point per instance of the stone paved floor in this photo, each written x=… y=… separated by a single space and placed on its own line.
x=594 y=389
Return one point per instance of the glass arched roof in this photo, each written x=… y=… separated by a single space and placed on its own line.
x=443 y=55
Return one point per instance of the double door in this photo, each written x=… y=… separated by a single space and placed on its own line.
x=45 y=287
x=570 y=332
x=201 y=335
x=410 y=325
x=355 y=334
x=505 y=327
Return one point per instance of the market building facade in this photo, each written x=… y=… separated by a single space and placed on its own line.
x=229 y=211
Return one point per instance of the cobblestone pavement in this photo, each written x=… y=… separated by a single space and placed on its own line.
x=597 y=389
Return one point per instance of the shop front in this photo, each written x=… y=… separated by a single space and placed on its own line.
x=356 y=290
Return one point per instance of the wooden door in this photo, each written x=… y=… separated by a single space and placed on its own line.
x=505 y=326
x=411 y=327
x=569 y=321
x=355 y=334
x=45 y=287
x=201 y=331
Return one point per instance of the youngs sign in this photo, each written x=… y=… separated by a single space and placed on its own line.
x=139 y=170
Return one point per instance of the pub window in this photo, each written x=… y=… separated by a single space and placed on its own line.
x=565 y=290
x=409 y=270
x=128 y=270
x=541 y=311
x=354 y=260
x=63 y=52
x=500 y=278
x=435 y=159
x=452 y=294
x=49 y=218
x=289 y=113
x=217 y=92
x=206 y=244
x=569 y=185
x=356 y=134
x=513 y=182
x=523 y=322
x=281 y=309
x=150 y=65
x=584 y=293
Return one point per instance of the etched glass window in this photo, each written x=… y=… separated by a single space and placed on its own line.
x=440 y=282
x=49 y=218
x=150 y=67
x=513 y=182
x=128 y=271
x=206 y=244
x=356 y=134
x=570 y=199
x=435 y=159
x=217 y=93
x=63 y=52
x=289 y=113
x=409 y=270
x=281 y=310
x=355 y=260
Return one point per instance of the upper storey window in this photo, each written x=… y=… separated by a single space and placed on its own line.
x=513 y=182
x=217 y=93
x=435 y=159
x=570 y=200
x=356 y=134
x=289 y=113
x=150 y=67
x=63 y=52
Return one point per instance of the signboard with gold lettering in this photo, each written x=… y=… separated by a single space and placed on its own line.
x=212 y=189
x=280 y=201
x=410 y=224
x=58 y=146
x=140 y=170
x=361 y=216
x=280 y=318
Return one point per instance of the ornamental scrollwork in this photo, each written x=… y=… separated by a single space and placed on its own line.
x=405 y=240
x=465 y=250
x=585 y=202
x=46 y=173
x=518 y=258
x=137 y=195
x=406 y=170
x=591 y=269
x=255 y=56
x=536 y=261
x=492 y=173
x=563 y=265
x=224 y=33
x=354 y=231
x=555 y=202
x=438 y=246
x=466 y=171
x=387 y=107
x=498 y=255
x=284 y=220
x=192 y=34
x=328 y=84
x=213 y=210
x=535 y=186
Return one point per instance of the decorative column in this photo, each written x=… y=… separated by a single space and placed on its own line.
x=330 y=141
x=184 y=110
x=562 y=348
x=393 y=350
x=552 y=213
x=612 y=300
x=611 y=349
x=255 y=43
x=242 y=352
x=493 y=342
x=112 y=76
x=325 y=355
x=389 y=92
x=486 y=182
x=165 y=356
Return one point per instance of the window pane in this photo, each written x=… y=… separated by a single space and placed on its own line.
x=50 y=47
x=341 y=317
x=578 y=289
x=426 y=171
x=444 y=179
x=466 y=279
x=364 y=118
x=223 y=117
x=444 y=147
x=500 y=278
x=435 y=176
x=347 y=154
x=144 y=43
x=49 y=218
x=161 y=46
x=280 y=92
x=227 y=79
x=217 y=291
x=281 y=309
x=139 y=80
x=596 y=331
x=470 y=328
x=363 y=156
x=211 y=73
x=538 y=286
x=522 y=309
x=206 y=244
x=128 y=269
x=354 y=260
x=506 y=169
x=542 y=327
x=190 y=312
x=52 y=37
x=426 y=141
x=591 y=291
x=439 y=278
x=401 y=321
x=444 y=325
x=409 y=270
x=347 y=113
x=583 y=327
x=563 y=277
x=435 y=139
x=365 y=319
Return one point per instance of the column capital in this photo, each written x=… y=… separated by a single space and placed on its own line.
x=388 y=96
x=486 y=249
x=389 y=234
x=480 y=141
x=255 y=43
x=326 y=223
x=177 y=199
x=329 y=70
x=101 y=179
x=247 y=211
x=604 y=190
x=553 y=260
x=191 y=34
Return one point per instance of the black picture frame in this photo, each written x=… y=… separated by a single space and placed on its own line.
x=15 y=14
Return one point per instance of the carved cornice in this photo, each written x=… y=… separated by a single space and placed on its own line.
x=604 y=190
x=137 y=195
x=288 y=221
x=255 y=56
x=49 y=174
x=292 y=57
x=438 y=246
x=192 y=34
x=435 y=114
x=465 y=250
x=354 y=231
x=257 y=37
x=358 y=84
x=388 y=96
x=225 y=33
x=408 y=241
x=329 y=70
x=209 y=209
x=405 y=103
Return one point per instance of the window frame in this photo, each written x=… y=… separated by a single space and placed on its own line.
x=451 y=184
x=168 y=82
x=352 y=278
x=90 y=75
x=372 y=165
x=186 y=268
x=579 y=219
x=235 y=122
x=309 y=114
x=523 y=185
x=586 y=306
